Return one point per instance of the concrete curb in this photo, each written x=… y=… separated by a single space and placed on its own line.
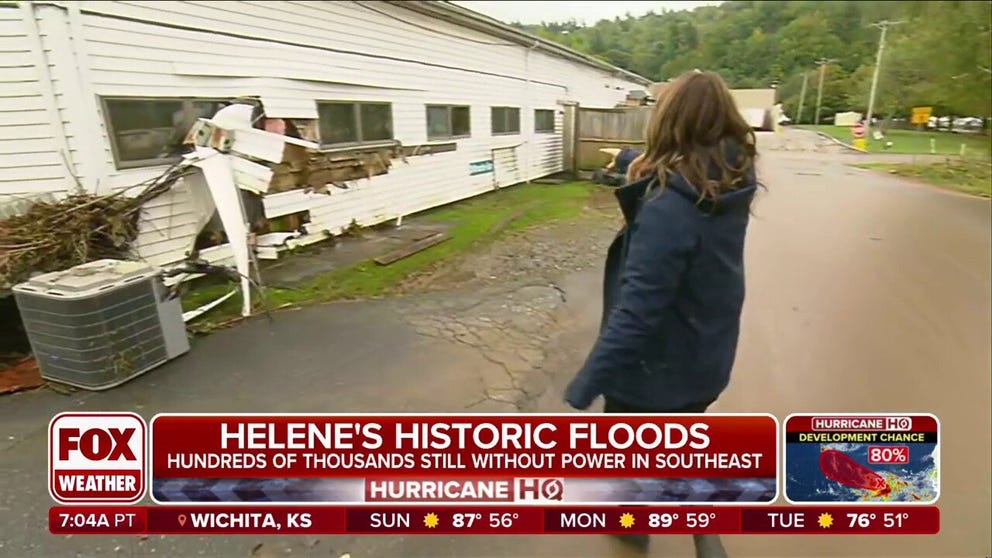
x=840 y=143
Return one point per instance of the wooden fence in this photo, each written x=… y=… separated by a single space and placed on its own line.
x=595 y=129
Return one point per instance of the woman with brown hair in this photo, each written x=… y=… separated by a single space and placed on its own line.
x=674 y=282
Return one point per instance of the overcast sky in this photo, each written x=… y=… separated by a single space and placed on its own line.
x=588 y=12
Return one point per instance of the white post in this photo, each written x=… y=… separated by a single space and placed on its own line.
x=219 y=176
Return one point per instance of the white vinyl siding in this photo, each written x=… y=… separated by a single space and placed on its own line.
x=31 y=160
x=293 y=55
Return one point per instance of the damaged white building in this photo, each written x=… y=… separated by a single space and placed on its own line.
x=414 y=105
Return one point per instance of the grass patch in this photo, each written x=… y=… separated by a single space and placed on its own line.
x=475 y=222
x=918 y=142
x=970 y=177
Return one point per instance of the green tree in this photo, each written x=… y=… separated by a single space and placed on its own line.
x=940 y=55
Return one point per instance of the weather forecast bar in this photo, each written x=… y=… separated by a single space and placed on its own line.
x=476 y=520
x=577 y=459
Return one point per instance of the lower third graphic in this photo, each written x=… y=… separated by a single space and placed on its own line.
x=529 y=491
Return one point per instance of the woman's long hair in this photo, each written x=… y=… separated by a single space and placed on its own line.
x=694 y=127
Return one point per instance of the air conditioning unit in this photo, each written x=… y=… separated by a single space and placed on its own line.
x=100 y=324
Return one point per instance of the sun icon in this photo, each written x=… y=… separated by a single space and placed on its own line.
x=627 y=520
x=825 y=520
x=431 y=520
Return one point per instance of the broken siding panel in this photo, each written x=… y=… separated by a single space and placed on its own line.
x=421 y=183
x=428 y=181
x=168 y=227
x=287 y=203
x=162 y=252
x=141 y=59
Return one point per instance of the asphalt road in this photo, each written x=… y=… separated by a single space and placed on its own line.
x=865 y=293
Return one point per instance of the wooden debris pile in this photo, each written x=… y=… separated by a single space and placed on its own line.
x=319 y=169
x=53 y=236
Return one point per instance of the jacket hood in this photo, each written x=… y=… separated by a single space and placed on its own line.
x=740 y=198
x=725 y=202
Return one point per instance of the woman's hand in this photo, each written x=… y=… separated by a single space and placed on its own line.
x=637 y=169
x=578 y=394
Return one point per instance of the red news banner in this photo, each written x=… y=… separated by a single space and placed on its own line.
x=504 y=459
x=507 y=520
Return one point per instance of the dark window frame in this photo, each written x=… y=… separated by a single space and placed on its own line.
x=538 y=130
x=111 y=130
x=451 y=127
x=357 y=114
x=506 y=111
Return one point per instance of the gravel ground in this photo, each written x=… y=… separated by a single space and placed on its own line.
x=504 y=300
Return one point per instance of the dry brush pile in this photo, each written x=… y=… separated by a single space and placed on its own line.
x=52 y=236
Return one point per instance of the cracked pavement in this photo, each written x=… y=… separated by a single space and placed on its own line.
x=505 y=303
x=852 y=306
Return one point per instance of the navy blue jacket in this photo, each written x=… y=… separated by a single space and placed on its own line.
x=624 y=159
x=673 y=294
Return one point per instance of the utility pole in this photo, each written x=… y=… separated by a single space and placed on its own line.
x=884 y=26
x=819 y=91
x=802 y=97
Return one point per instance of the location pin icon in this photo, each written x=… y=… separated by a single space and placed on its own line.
x=182 y=520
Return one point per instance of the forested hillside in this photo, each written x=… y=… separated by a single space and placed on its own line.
x=939 y=56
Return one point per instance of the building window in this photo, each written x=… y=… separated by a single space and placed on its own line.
x=445 y=122
x=148 y=132
x=506 y=120
x=544 y=121
x=349 y=122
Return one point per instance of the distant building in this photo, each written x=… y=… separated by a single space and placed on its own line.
x=847 y=118
x=758 y=107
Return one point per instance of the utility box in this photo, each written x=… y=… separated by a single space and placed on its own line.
x=100 y=324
